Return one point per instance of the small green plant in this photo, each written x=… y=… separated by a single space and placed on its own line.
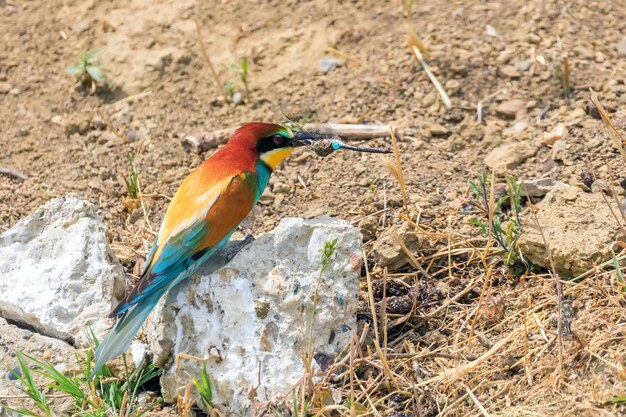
x=506 y=225
x=357 y=407
x=618 y=271
x=242 y=70
x=408 y=6
x=301 y=410
x=203 y=386
x=327 y=252
x=563 y=74
x=132 y=181
x=105 y=395
x=616 y=400
x=88 y=70
x=561 y=68
x=229 y=88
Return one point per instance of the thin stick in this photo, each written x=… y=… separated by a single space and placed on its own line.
x=475 y=400
x=396 y=154
x=383 y=312
x=483 y=293
x=345 y=56
x=412 y=259
x=349 y=131
x=616 y=137
x=14 y=173
x=462 y=370
x=370 y=292
x=466 y=290
x=205 y=55
x=143 y=207
x=134 y=97
x=614 y=193
x=442 y=93
x=352 y=405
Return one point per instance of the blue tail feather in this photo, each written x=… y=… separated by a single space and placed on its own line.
x=124 y=331
x=129 y=322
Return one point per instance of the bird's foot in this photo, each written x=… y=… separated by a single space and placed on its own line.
x=234 y=248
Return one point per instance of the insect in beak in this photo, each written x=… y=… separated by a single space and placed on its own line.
x=324 y=145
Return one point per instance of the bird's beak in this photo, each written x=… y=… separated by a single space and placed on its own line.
x=302 y=138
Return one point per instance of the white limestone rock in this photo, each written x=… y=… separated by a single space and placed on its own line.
x=57 y=273
x=251 y=317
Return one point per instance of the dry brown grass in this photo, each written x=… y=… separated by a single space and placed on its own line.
x=457 y=356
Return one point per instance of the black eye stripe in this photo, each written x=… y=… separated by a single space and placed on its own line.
x=272 y=142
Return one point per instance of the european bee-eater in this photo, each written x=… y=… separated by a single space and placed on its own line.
x=205 y=211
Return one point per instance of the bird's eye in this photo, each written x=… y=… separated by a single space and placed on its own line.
x=278 y=140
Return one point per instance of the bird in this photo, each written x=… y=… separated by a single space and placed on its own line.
x=206 y=209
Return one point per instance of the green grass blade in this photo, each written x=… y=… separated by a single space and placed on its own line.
x=618 y=271
x=61 y=382
x=21 y=411
x=30 y=388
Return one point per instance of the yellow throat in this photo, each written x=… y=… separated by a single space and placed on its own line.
x=276 y=156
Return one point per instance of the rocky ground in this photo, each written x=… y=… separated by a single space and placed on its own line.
x=467 y=332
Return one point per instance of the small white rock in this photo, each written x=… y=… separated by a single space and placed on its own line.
x=558 y=132
x=139 y=352
x=237 y=98
x=327 y=64
x=57 y=120
x=250 y=318
x=57 y=273
x=491 y=31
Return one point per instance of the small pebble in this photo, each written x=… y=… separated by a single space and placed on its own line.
x=511 y=72
x=510 y=108
x=523 y=66
x=47 y=354
x=558 y=132
x=14 y=374
x=57 y=120
x=327 y=64
x=490 y=31
x=131 y=135
x=237 y=98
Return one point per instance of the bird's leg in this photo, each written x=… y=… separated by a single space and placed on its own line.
x=224 y=255
x=234 y=248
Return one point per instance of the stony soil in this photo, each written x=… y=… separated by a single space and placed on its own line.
x=64 y=139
